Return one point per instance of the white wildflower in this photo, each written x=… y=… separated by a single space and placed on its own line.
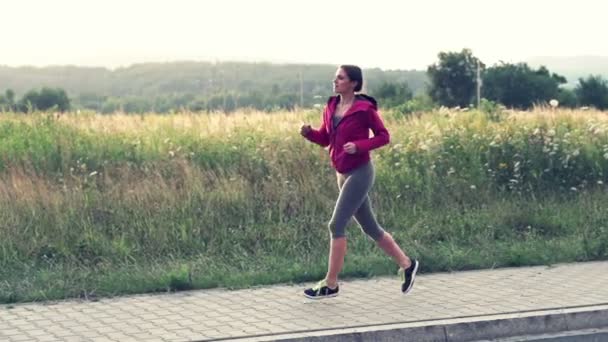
x=554 y=103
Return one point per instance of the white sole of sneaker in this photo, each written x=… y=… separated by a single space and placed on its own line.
x=320 y=297
x=413 y=278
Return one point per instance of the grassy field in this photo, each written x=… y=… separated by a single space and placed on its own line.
x=94 y=205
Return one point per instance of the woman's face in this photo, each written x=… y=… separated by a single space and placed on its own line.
x=343 y=84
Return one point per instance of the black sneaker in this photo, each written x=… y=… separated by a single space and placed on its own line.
x=408 y=275
x=321 y=290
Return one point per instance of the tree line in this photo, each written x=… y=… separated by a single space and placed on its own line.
x=197 y=86
x=456 y=79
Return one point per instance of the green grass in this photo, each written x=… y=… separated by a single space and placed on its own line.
x=95 y=205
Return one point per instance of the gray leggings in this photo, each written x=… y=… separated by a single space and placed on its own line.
x=354 y=201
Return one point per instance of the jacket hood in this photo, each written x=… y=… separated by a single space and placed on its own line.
x=362 y=103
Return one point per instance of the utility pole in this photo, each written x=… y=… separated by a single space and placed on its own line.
x=301 y=90
x=478 y=84
x=223 y=90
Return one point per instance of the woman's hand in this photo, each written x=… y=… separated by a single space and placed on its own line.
x=350 y=148
x=305 y=129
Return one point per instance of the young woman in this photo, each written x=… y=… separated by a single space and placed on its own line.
x=347 y=119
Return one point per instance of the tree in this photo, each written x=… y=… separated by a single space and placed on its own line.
x=593 y=91
x=393 y=94
x=519 y=86
x=566 y=98
x=453 y=79
x=7 y=101
x=46 y=99
x=10 y=97
x=91 y=101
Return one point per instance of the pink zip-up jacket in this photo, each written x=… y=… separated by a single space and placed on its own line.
x=354 y=127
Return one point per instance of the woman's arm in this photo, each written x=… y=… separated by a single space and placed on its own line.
x=381 y=136
x=319 y=136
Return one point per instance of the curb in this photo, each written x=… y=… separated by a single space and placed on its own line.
x=461 y=329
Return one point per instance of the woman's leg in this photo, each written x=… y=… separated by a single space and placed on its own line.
x=350 y=198
x=408 y=267
x=337 y=251
x=367 y=221
x=390 y=247
x=353 y=191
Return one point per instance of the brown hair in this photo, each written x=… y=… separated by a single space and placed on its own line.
x=354 y=74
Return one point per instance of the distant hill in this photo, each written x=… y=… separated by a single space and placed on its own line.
x=574 y=67
x=195 y=78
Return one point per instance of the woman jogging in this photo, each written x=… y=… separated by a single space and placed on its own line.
x=347 y=119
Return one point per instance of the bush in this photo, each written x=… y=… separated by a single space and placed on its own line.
x=493 y=110
x=419 y=104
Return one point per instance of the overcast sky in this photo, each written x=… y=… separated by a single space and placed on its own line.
x=379 y=33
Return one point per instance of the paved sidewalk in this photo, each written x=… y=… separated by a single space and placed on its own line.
x=268 y=313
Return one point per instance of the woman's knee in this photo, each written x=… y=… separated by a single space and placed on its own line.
x=375 y=233
x=336 y=230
